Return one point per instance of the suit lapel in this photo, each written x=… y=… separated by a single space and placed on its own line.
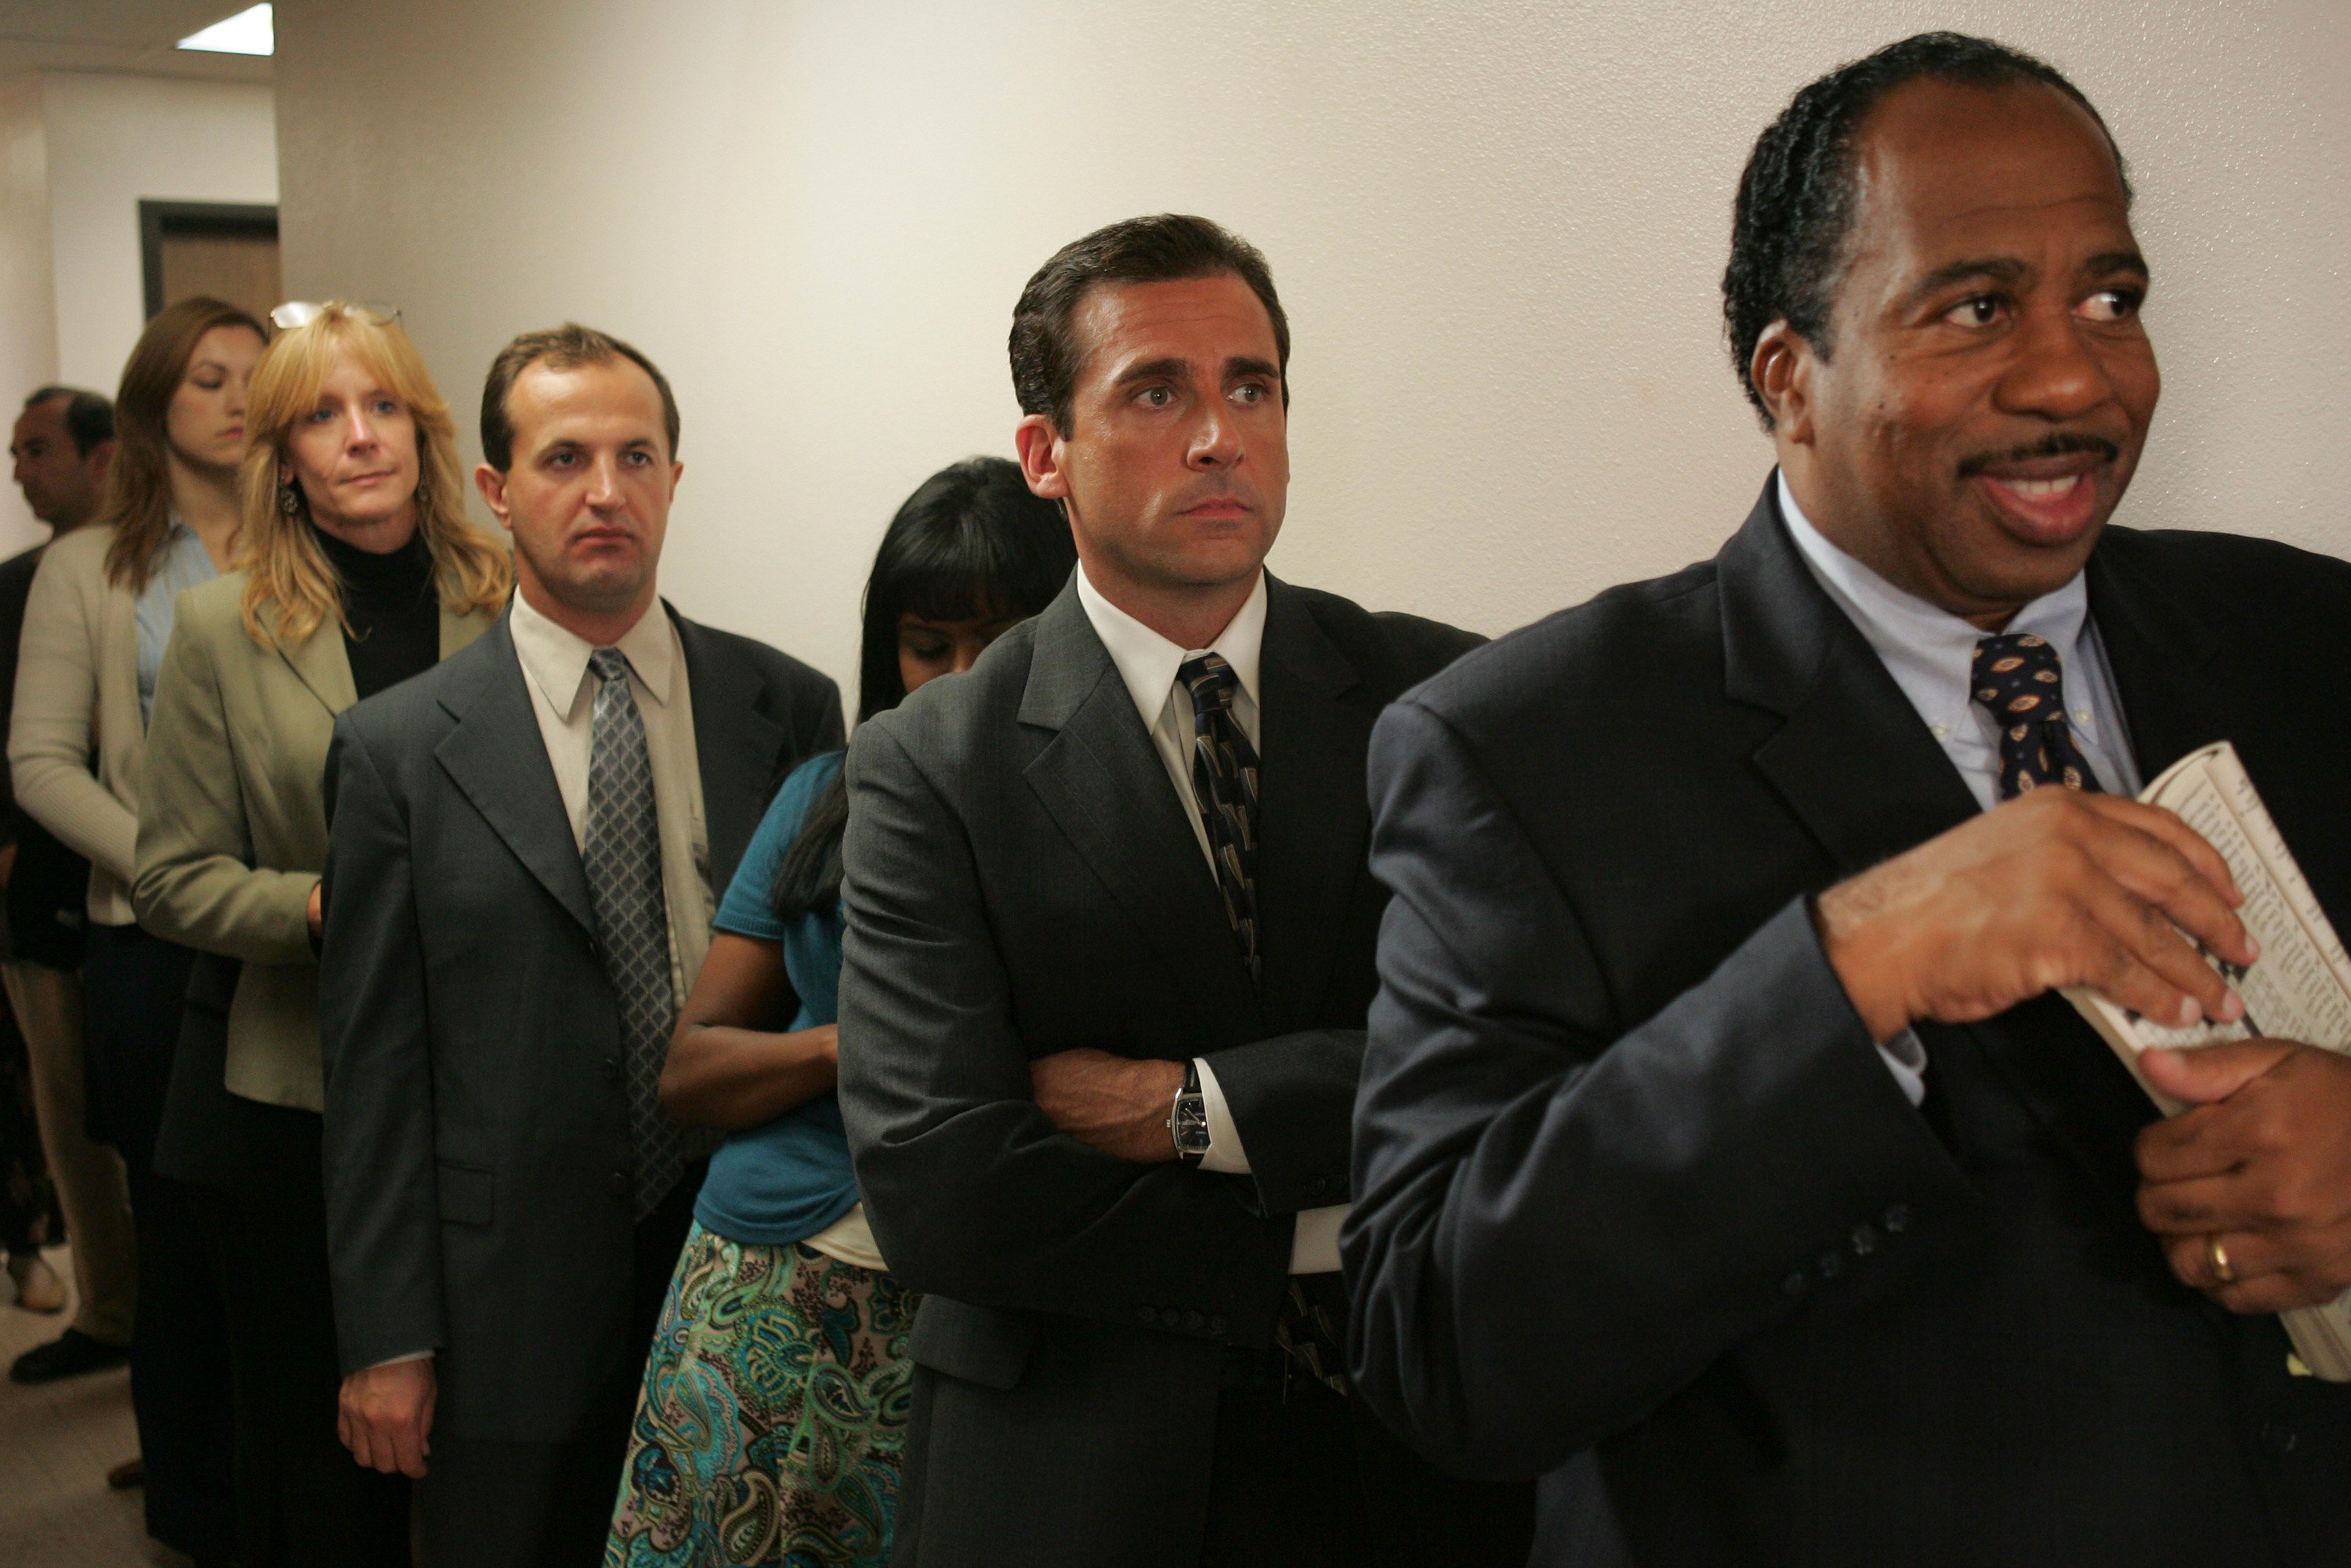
x=2155 y=650
x=1857 y=766
x=497 y=758
x=323 y=665
x=734 y=745
x=1314 y=820
x=1103 y=782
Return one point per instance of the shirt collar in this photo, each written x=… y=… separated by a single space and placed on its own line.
x=1901 y=625
x=556 y=657
x=1147 y=661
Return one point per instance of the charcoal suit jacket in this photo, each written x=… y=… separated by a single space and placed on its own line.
x=478 y=1200
x=1631 y=1173
x=1020 y=879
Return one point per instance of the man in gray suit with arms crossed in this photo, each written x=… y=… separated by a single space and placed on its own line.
x=1109 y=947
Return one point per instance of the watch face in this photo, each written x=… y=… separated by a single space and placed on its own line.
x=1191 y=1126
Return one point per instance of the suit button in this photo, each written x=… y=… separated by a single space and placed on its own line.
x=1897 y=1218
x=2280 y=1439
x=1170 y=1318
x=1317 y=1186
x=617 y=1184
x=1864 y=1240
x=611 y=1069
x=1218 y=1322
x=1794 y=1283
x=595 y=949
x=1832 y=1265
x=1195 y=1321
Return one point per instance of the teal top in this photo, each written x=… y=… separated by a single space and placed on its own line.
x=784 y=1181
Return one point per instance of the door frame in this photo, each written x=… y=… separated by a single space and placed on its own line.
x=156 y=219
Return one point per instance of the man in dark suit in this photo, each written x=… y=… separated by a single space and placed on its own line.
x=1717 y=1111
x=1104 y=980
x=518 y=893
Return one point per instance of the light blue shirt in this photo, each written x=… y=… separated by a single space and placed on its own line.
x=184 y=564
x=1931 y=654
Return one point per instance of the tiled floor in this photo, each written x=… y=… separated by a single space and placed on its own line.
x=56 y=1443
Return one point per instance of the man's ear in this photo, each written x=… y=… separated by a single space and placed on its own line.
x=1782 y=369
x=1040 y=446
x=492 y=483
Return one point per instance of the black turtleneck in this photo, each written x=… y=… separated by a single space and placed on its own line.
x=395 y=614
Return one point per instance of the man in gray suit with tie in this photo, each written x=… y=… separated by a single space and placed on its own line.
x=525 y=842
x=1109 y=948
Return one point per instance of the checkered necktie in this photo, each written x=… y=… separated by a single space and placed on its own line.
x=2018 y=680
x=622 y=850
x=1224 y=783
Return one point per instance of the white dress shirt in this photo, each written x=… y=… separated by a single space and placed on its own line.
x=1148 y=663
x=1931 y=653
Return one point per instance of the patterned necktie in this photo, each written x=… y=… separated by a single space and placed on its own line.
x=622 y=850
x=1224 y=784
x=2018 y=680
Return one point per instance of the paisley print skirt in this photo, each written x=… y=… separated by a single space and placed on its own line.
x=772 y=1416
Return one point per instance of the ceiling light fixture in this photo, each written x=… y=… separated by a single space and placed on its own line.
x=249 y=32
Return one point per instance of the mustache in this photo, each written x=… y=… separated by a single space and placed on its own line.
x=2061 y=445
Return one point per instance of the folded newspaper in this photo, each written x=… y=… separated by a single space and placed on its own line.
x=2299 y=990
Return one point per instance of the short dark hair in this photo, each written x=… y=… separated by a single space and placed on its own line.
x=562 y=347
x=1165 y=248
x=972 y=541
x=1795 y=206
x=89 y=418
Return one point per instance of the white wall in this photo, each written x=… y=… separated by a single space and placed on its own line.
x=1498 y=229
x=78 y=153
x=28 y=325
x=114 y=141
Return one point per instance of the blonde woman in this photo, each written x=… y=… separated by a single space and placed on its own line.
x=96 y=623
x=356 y=570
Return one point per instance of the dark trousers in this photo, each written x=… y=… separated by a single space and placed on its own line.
x=180 y=1391
x=1305 y=1478
x=318 y=1508
x=549 y=1505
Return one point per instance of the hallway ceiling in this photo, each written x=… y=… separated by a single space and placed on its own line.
x=134 y=36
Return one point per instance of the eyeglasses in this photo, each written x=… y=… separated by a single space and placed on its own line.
x=302 y=312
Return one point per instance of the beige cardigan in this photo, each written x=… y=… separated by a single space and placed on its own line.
x=78 y=691
x=233 y=824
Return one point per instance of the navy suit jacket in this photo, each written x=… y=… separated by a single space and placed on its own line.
x=1631 y=1176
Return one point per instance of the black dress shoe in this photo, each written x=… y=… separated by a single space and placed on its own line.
x=69 y=1355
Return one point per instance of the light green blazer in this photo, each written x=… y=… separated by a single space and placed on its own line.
x=233 y=821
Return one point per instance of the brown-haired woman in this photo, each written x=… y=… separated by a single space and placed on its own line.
x=356 y=570
x=96 y=624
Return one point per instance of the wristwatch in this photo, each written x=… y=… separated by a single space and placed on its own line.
x=1187 y=1123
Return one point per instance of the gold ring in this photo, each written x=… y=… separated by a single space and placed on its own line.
x=2219 y=1256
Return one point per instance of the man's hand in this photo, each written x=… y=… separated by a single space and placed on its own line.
x=1118 y=1106
x=317 y=910
x=2264 y=1163
x=386 y=1415
x=2054 y=888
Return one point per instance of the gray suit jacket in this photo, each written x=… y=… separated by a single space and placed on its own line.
x=476 y=1121
x=1020 y=879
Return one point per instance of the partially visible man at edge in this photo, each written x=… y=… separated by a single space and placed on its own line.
x=1718 y=1110
x=524 y=845
x=1102 y=1002
x=61 y=449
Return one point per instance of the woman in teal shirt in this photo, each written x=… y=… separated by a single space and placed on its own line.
x=775 y=1398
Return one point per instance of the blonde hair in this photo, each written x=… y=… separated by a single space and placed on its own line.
x=139 y=485
x=285 y=569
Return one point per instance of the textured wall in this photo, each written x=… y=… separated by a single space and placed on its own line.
x=1498 y=226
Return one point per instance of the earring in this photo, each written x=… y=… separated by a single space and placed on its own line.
x=290 y=501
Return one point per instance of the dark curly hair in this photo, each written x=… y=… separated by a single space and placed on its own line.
x=1795 y=206
x=1167 y=247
